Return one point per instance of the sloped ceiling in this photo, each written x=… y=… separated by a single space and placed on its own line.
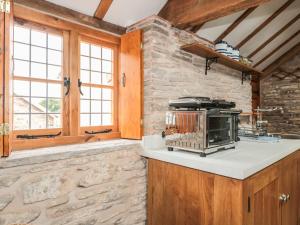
x=127 y=12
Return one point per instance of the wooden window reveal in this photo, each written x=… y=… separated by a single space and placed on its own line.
x=98 y=100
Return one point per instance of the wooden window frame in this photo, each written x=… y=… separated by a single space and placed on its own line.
x=72 y=33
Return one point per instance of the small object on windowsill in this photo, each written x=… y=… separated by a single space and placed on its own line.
x=99 y=132
x=26 y=136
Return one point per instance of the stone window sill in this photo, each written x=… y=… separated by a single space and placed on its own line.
x=49 y=154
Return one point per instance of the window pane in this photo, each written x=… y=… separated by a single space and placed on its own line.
x=106 y=107
x=38 y=38
x=107 y=54
x=107 y=79
x=54 y=105
x=86 y=92
x=38 y=70
x=55 y=90
x=96 y=51
x=54 y=57
x=106 y=94
x=54 y=72
x=106 y=119
x=96 y=65
x=95 y=78
x=38 y=121
x=95 y=93
x=21 y=105
x=84 y=120
x=84 y=49
x=21 y=68
x=95 y=106
x=21 y=34
x=54 y=120
x=106 y=66
x=38 y=54
x=95 y=119
x=38 y=105
x=21 y=88
x=84 y=63
x=21 y=122
x=21 y=51
x=85 y=76
x=38 y=89
x=85 y=106
x=54 y=42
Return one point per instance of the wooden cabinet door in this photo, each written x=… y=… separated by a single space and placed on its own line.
x=131 y=86
x=288 y=186
x=263 y=207
x=1 y=78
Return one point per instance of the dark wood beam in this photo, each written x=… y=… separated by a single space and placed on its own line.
x=70 y=15
x=265 y=23
x=277 y=48
x=187 y=13
x=196 y=28
x=274 y=36
x=235 y=24
x=102 y=8
x=281 y=60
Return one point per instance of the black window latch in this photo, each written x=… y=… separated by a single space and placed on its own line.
x=99 y=132
x=26 y=136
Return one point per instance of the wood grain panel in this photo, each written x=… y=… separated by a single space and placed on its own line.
x=131 y=86
x=8 y=69
x=1 y=77
x=288 y=186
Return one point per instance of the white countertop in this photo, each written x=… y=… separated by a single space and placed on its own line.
x=247 y=159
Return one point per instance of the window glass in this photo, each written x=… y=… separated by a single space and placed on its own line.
x=96 y=74
x=37 y=102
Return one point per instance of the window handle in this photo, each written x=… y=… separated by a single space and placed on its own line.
x=123 y=80
x=67 y=84
x=79 y=86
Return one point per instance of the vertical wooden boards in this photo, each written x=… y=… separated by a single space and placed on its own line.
x=131 y=86
x=1 y=78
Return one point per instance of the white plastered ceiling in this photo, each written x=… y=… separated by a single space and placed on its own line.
x=128 y=12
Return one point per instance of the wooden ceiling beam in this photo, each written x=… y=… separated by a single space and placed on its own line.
x=102 y=8
x=265 y=23
x=183 y=14
x=196 y=28
x=274 y=36
x=235 y=24
x=277 y=48
x=280 y=61
x=70 y=15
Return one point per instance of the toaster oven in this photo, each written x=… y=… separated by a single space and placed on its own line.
x=203 y=131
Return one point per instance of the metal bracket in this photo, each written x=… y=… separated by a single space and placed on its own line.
x=67 y=84
x=4 y=129
x=209 y=62
x=245 y=76
x=79 y=87
x=5 y=6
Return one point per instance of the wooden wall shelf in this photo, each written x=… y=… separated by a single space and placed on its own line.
x=214 y=57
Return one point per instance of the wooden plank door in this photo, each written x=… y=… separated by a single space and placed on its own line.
x=8 y=70
x=131 y=86
x=1 y=78
x=263 y=207
x=288 y=186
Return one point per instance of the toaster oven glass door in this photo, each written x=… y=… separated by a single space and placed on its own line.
x=219 y=130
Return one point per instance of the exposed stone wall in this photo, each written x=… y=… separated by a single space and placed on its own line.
x=285 y=93
x=170 y=73
x=107 y=186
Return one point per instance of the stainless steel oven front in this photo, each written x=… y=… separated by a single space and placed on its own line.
x=202 y=131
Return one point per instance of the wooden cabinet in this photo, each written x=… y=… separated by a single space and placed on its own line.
x=182 y=196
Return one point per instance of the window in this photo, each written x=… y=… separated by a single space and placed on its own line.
x=37 y=79
x=96 y=75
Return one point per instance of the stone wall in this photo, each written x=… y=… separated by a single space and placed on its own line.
x=285 y=93
x=102 y=185
x=170 y=73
